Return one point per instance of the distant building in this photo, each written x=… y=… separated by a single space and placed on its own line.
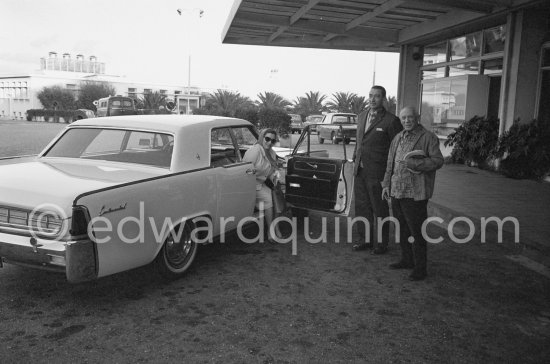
x=18 y=92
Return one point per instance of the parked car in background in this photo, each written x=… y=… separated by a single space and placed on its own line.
x=84 y=114
x=296 y=124
x=115 y=106
x=337 y=127
x=313 y=120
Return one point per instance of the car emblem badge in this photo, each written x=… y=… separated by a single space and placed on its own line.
x=105 y=210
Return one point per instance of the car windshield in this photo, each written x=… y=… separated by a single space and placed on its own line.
x=344 y=119
x=126 y=146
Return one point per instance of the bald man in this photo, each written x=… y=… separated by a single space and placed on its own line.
x=413 y=158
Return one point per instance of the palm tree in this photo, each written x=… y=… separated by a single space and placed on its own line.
x=358 y=104
x=341 y=101
x=271 y=100
x=312 y=103
x=152 y=100
x=226 y=103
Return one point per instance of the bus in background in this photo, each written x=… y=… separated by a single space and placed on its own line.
x=115 y=105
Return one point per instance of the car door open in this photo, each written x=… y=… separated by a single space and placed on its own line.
x=319 y=180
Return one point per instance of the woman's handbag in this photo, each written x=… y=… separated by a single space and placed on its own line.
x=279 y=203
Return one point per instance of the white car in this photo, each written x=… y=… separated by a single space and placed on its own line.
x=114 y=193
x=337 y=127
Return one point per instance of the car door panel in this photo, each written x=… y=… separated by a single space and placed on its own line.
x=318 y=183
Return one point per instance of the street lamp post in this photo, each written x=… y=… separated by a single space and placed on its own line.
x=200 y=13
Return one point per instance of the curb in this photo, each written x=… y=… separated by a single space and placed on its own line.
x=491 y=229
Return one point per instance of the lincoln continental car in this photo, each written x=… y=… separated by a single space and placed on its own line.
x=111 y=194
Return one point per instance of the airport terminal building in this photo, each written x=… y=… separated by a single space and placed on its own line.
x=458 y=58
x=18 y=93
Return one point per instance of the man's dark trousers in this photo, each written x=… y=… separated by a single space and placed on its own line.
x=411 y=215
x=369 y=203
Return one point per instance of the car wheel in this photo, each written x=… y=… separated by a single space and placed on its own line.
x=177 y=253
x=333 y=138
x=347 y=140
x=321 y=140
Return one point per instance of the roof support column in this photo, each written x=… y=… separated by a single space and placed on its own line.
x=521 y=66
x=408 y=84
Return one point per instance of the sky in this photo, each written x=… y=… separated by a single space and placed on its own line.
x=149 y=41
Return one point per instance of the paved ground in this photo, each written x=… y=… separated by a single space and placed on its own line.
x=259 y=303
x=475 y=193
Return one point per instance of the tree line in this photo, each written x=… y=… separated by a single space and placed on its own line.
x=219 y=102
x=230 y=103
x=61 y=98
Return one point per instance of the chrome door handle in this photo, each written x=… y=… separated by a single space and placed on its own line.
x=250 y=171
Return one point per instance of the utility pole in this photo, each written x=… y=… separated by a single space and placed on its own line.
x=374 y=71
x=200 y=13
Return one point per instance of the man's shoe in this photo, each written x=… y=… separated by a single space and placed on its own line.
x=380 y=250
x=401 y=265
x=361 y=246
x=417 y=276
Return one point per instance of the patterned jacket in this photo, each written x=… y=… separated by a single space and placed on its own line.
x=423 y=183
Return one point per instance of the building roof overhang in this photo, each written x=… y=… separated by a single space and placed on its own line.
x=372 y=25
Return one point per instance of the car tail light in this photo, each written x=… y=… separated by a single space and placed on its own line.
x=81 y=218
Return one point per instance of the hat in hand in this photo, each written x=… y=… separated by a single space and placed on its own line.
x=415 y=154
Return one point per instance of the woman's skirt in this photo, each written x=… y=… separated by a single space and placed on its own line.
x=264 y=200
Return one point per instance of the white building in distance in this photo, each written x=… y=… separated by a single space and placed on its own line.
x=18 y=93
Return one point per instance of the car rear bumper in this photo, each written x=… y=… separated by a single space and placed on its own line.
x=77 y=259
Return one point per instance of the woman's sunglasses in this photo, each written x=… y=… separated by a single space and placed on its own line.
x=268 y=139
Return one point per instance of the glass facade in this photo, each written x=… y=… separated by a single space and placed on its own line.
x=435 y=53
x=494 y=39
x=452 y=68
x=465 y=47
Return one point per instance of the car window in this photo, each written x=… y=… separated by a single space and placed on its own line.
x=143 y=140
x=127 y=103
x=127 y=146
x=245 y=137
x=115 y=103
x=107 y=141
x=340 y=119
x=222 y=149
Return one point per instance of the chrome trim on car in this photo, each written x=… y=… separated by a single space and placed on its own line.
x=24 y=221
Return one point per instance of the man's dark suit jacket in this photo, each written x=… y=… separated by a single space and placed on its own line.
x=372 y=147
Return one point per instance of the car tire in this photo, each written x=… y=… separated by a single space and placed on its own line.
x=333 y=138
x=176 y=257
x=347 y=140
x=321 y=140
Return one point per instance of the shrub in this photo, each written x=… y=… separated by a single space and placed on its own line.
x=91 y=91
x=56 y=97
x=67 y=115
x=474 y=140
x=525 y=150
x=275 y=119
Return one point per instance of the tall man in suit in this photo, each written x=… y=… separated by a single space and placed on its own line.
x=376 y=129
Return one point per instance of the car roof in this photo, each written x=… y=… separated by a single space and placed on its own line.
x=341 y=113
x=163 y=123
